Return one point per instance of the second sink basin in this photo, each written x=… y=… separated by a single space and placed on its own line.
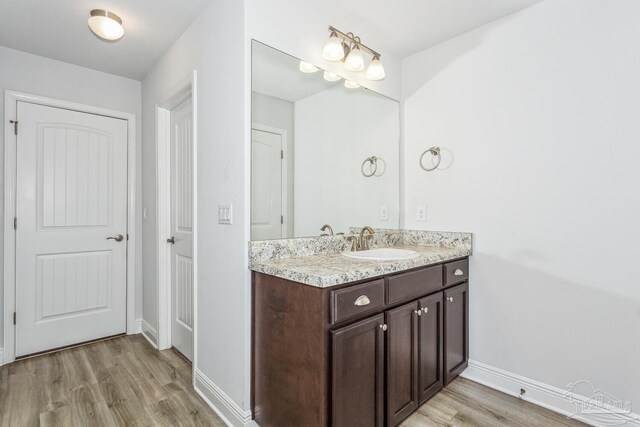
x=383 y=254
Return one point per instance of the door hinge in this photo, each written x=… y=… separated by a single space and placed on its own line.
x=14 y=317
x=127 y=236
x=15 y=126
x=15 y=222
x=281 y=153
x=281 y=219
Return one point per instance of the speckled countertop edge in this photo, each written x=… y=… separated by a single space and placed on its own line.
x=318 y=261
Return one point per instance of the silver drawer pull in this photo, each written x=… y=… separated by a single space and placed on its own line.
x=362 y=300
x=458 y=272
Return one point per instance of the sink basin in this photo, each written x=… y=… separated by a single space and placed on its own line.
x=383 y=254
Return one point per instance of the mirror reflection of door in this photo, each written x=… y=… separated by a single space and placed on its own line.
x=267 y=179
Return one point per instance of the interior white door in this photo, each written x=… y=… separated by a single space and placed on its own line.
x=71 y=198
x=266 y=185
x=182 y=229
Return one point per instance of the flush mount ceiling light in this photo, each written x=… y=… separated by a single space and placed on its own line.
x=106 y=25
x=348 y=48
x=305 y=67
x=331 y=77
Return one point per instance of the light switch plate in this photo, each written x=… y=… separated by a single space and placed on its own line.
x=421 y=214
x=225 y=214
x=384 y=213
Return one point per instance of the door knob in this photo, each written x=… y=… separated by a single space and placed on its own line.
x=450 y=299
x=383 y=327
x=418 y=312
x=117 y=238
x=172 y=240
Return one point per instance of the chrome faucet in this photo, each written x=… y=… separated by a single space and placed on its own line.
x=363 y=240
x=325 y=228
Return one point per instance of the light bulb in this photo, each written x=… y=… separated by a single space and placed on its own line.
x=106 y=25
x=333 y=50
x=331 y=77
x=351 y=85
x=305 y=67
x=355 y=60
x=375 y=70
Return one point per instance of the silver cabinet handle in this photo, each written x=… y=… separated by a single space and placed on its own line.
x=362 y=300
x=458 y=272
x=418 y=312
x=450 y=299
x=384 y=327
x=117 y=238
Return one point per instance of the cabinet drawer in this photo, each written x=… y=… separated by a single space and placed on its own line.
x=355 y=300
x=456 y=272
x=413 y=284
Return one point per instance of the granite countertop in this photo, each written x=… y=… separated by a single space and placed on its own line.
x=329 y=269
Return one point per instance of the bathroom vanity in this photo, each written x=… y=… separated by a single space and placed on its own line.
x=343 y=342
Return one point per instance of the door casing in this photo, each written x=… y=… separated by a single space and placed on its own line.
x=10 y=167
x=186 y=89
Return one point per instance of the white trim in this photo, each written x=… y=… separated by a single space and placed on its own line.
x=220 y=402
x=138 y=325
x=150 y=333
x=1 y=356
x=541 y=394
x=284 y=184
x=187 y=88
x=10 y=102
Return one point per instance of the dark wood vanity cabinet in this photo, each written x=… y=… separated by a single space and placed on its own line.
x=363 y=354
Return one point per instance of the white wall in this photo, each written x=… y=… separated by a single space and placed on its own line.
x=35 y=75
x=540 y=112
x=213 y=46
x=278 y=113
x=335 y=131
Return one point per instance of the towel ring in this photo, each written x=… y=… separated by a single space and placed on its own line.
x=435 y=152
x=378 y=172
x=373 y=166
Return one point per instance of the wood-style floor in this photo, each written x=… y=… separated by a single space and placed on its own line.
x=466 y=403
x=118 y=382
x=126 y=382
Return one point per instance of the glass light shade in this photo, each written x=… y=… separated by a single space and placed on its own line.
x=331 y=77
x=333 y=50
x=106 y=25
x=351 y=85
x=375 y=70
x=355 y=60
x=305 y=67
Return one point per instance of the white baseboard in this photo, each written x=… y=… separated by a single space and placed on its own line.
x=221 y=403
x=1 y=356
x=149 y=332
x=138 y=326
x=545 y=395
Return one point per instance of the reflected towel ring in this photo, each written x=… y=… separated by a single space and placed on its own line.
x=373 y=166
x=380 y=172
x=435 y=153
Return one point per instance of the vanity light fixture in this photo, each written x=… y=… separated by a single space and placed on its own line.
x=106 y=25
x=348 y=48
x=305 y=67
x=333 y=49
x=375 y=70
x=351 y=85
x=331 y=77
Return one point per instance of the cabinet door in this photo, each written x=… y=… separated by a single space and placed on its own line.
x=402 y=361
x=357 y=374
x=456 y=331
x=430 y=341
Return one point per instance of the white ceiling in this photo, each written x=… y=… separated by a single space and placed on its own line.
x=58 y=29
x=276 y=74
x=409 y=26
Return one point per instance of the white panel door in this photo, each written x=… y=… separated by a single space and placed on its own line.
x=182 y=229
x=266 y=185
x=71 y=197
